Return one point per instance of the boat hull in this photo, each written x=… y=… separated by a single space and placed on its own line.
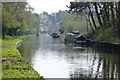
x=81 y=43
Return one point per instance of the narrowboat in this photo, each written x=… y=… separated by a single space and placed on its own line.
x=54 y=35
x=80 y=40
x=38 y=34
x=69 y=38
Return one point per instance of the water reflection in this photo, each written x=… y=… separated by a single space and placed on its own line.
x=52 y=59
x=106 y=66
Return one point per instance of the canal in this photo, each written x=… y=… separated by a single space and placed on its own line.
x=51 y=58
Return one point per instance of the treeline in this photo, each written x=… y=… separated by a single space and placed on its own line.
x=71 y=23
x=49 y=21
x=98 y=14
x=18 y=19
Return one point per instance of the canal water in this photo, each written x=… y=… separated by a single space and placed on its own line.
x=51 y=58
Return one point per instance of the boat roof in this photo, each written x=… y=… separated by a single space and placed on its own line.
x=75 y=32
x=81 y=37
x=70 y=34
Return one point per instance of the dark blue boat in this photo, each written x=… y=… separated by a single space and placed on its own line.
x=38 y=34
x=54 y=35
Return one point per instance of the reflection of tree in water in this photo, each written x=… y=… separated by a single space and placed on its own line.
x=105 y=69
x=110 y=69
x=77 y=74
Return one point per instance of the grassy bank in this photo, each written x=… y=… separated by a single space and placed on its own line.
x=13 y=65
x=106 y=34
x=0 y=59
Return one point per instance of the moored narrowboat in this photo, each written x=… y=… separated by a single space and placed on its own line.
x=54 y=35
x=38 y=34
x=81 y=40
x=69 y=38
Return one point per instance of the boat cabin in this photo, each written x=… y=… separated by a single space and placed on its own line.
x=81 y=40
x=69 y=38
x=76 y=33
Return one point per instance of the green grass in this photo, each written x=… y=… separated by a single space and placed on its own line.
x=0 y=59
x=13 y=64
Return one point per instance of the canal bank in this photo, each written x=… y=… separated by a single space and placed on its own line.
x=103 y=46
x=13 y=64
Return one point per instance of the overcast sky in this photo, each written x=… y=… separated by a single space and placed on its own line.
x=49 y=6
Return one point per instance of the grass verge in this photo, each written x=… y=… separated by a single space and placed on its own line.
x=13 y=64
x=0 y=59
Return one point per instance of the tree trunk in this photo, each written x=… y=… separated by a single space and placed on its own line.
x=4 y=30
x=112 y=15
x=106 y=12
x=91 y=26
x=92 y=17
x=98 y=16
x=88 y=20
x=104 y=16
x=118 y=18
